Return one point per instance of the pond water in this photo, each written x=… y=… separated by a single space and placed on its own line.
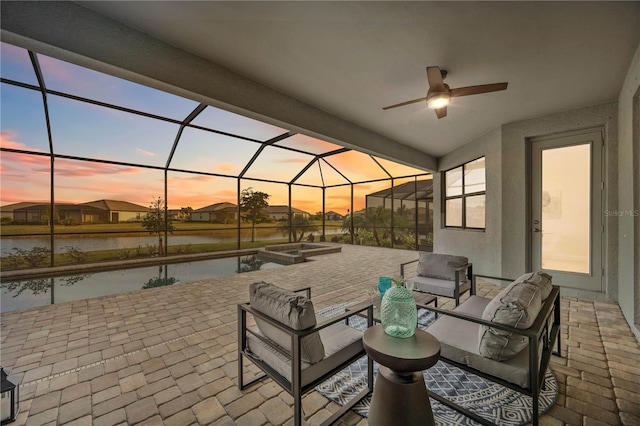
x=24 y=294
x=116 y=242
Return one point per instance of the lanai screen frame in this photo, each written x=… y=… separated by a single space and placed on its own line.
x=322 y=159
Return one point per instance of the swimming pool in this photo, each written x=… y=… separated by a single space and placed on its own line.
x=24 y=294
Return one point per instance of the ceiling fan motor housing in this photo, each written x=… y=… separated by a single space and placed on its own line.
x=438 y=98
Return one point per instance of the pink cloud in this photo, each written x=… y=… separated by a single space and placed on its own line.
x=72 y=168
x=8 y=140
x=145 y=153
x=54 y=69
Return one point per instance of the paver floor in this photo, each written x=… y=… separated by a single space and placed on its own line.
x=168 y=355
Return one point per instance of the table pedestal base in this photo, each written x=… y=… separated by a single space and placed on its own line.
x=400 y=399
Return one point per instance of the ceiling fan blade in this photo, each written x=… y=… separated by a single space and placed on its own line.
x=441 y=112
x=405 y=103
x=436 y=83
x=476 y=90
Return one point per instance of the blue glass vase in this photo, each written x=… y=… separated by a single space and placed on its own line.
x=398 y=312
x=384 y=284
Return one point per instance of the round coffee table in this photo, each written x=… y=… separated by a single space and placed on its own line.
x=399 y=395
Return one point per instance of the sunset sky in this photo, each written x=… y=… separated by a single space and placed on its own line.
x=84 y=130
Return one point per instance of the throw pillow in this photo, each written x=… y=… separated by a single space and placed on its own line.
x=291 y=309
x=441 y=266
x=517 y=306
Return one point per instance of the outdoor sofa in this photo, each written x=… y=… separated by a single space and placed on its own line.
x=508 y=339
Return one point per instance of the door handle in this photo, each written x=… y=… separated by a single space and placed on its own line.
x=537 y=230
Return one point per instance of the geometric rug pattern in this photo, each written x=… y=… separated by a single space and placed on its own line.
x=496 y=403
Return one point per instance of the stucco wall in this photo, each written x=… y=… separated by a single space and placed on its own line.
x=515 y=226
x=629 y=196
x=482 y=248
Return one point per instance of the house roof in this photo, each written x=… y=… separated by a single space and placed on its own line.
x=114 y=205
x=15 y=206
x=216 y=207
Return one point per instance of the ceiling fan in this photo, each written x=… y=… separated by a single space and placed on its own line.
x=439 y=94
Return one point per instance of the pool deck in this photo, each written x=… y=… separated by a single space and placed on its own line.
x=168 y=355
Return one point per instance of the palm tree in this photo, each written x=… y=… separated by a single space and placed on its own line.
x=377 y=219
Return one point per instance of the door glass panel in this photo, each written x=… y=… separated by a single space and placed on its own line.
x=565 y=208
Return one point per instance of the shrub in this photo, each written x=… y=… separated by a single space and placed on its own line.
x=75 y=254
x=5 y=220
x=152 y=249
x=36 y=257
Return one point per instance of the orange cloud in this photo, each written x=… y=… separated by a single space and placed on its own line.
x=226 y=167
x=293 y=161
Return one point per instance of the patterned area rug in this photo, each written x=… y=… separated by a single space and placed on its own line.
x=496 y=403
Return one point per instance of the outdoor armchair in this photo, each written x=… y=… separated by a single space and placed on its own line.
x=294 y=349
x=440 y=274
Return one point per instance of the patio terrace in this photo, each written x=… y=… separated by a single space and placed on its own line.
x=167 y=355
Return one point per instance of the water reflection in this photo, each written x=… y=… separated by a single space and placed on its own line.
x=160 y=281
x=250 y=263
x=24 y=294
x=41 y=285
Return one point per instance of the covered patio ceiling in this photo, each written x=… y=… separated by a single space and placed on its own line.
x=326 y=69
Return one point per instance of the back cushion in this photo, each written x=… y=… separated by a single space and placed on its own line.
x=441 y=266
x=291 y=309
x=517 y=306
x=540 y=280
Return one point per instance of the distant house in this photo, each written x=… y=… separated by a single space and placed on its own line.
x=219 y=212
x=10 y=209
x=101 y=211
x=331 y=215
x=282 y=212
x=112 y=211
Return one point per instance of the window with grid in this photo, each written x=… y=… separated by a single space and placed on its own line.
x=464 y=195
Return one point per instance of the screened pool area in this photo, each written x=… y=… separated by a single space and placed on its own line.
x=97 y=168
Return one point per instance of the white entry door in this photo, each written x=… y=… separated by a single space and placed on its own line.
x=566 y=218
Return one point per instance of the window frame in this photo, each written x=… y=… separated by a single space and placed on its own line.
x=463 y=196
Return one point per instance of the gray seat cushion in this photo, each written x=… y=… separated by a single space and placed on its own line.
x=341 y=343
x=459 y=342
x=291 y=309
x=441 y=266
x=517 y=306
x=438 y=286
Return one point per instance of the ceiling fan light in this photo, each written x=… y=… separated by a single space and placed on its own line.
x=438 y=100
